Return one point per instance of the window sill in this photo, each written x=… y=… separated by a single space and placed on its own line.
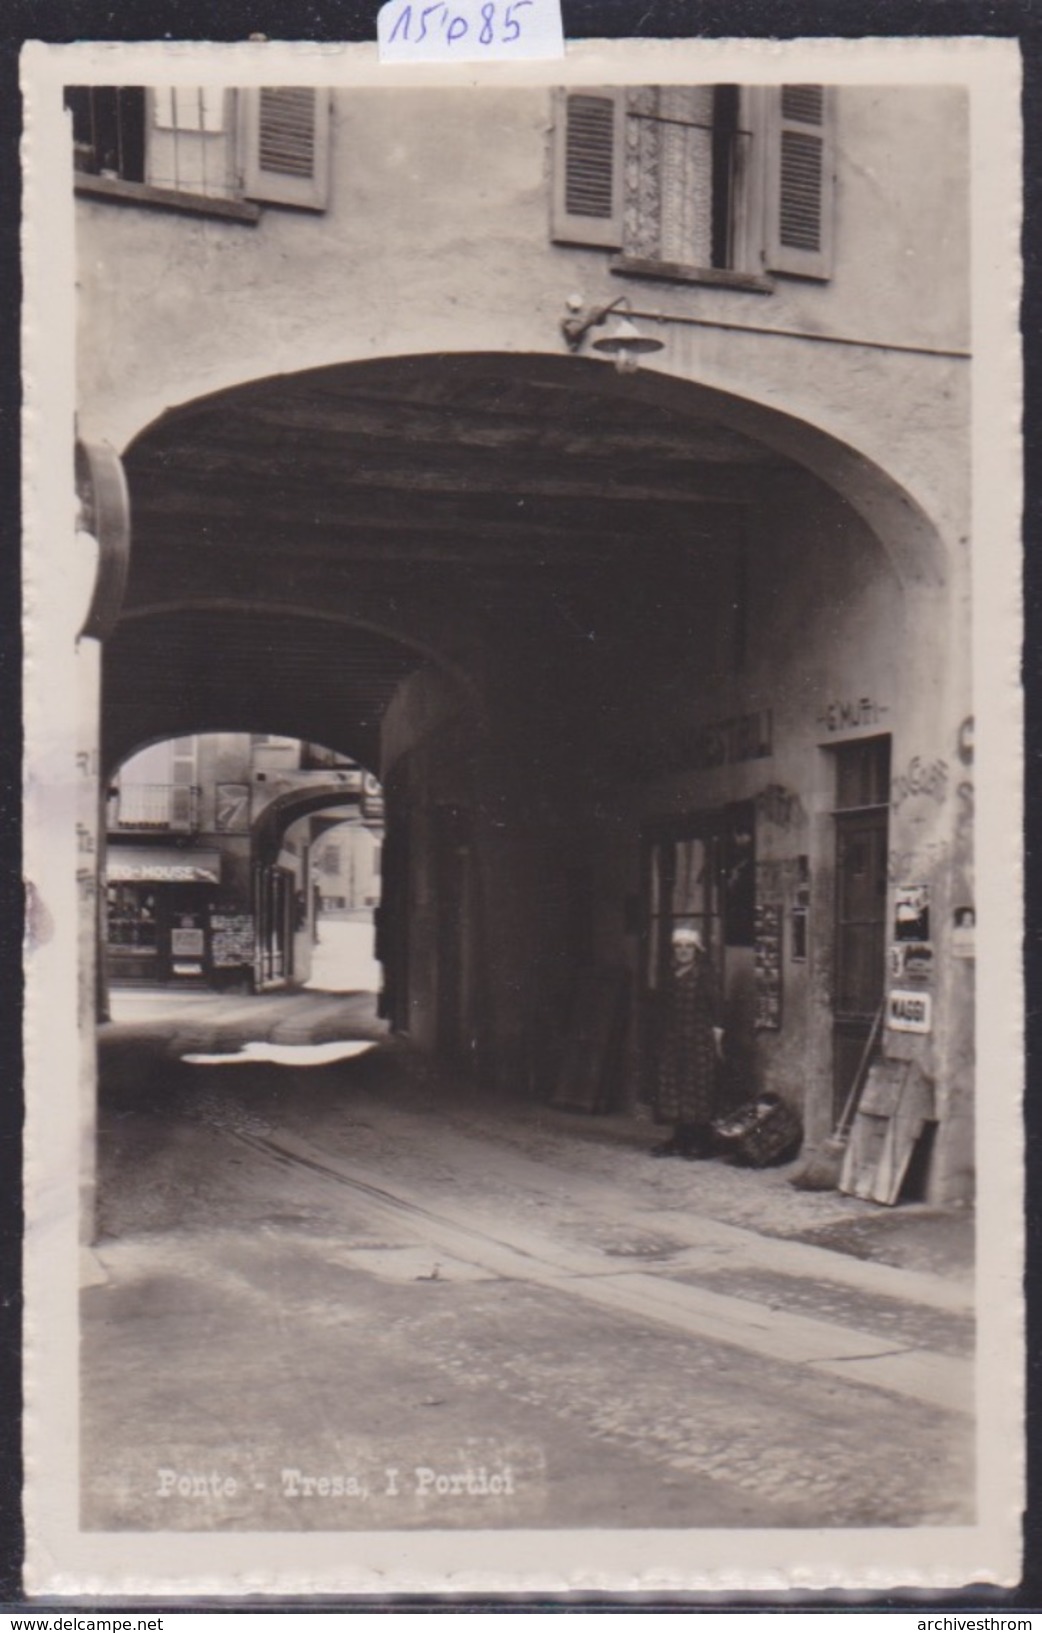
x=165 y=198
x=677 y=272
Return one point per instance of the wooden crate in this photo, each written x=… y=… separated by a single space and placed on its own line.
x=895 y=1108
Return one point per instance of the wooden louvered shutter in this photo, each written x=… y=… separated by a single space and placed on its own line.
x=285 y=146
x=588 y=157
x=800 y=164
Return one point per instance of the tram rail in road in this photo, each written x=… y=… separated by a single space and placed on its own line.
x=512 y=1251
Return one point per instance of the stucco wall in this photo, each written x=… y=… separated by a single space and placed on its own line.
x=437 y=239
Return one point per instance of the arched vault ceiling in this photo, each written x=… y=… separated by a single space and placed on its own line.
x=441 y=499
x=428 y=460
x=204 y=670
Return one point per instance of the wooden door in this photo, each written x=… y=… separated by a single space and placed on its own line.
x=274 y=925
x=859 y=939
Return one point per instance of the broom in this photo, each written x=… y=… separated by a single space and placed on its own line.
x=821 y=1171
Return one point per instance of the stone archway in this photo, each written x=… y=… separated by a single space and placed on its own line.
x=530 y=592
x=448 y=508
x=394 y=411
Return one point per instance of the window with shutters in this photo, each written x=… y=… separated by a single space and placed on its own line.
x=285 y=146
x=331 y=859
x=205 y=149
x=108 y=130
x=799 y=181
x=712 y=183
x=588 y=172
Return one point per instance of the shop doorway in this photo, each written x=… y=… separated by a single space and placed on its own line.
x=274 y=911
x=700 y=872
x=862 y=811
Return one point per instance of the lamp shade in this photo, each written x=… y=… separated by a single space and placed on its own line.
x=624 y=337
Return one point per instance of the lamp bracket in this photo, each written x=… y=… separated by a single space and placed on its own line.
x=577 y=325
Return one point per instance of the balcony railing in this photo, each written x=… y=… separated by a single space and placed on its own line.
x=154 y=807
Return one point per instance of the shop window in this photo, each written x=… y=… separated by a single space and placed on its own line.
x=131 y=918
x=713 y=183
x=684 y=886
x=701 y=873
x=203 y=148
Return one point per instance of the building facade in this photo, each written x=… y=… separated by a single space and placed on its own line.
x=347 y=869
x=210 y=859
x=624 y=647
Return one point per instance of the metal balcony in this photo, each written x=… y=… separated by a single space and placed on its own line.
x=154 y=807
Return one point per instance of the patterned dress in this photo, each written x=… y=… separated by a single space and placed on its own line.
x=687 y=1051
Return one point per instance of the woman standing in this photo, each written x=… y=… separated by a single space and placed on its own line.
x=691 y=1044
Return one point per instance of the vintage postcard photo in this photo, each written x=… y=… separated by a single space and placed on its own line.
x=523 y=819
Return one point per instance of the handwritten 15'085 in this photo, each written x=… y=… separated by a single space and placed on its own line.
x=491 y=24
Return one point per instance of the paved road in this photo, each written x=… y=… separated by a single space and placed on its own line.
x=309 y=1278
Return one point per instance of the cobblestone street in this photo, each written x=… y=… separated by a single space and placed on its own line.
x=311 y=1276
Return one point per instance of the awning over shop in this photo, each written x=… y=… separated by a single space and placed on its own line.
x=168 y=866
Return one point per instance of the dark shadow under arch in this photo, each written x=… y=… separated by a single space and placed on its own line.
x=319 y=678
x=907 y=534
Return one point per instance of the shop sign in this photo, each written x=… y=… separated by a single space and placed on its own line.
x=911 y=961
x=731 y=741
x=153 y=866
x=845 y=714
x=163 y=873
x=104 y=517
x=372 y=799
x=317 y=778
x=912 y=913
x=768 y=968
x=232 y=808
x=232 y=940
x=188 y=943
x=909 y=1011
x=964 y=933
